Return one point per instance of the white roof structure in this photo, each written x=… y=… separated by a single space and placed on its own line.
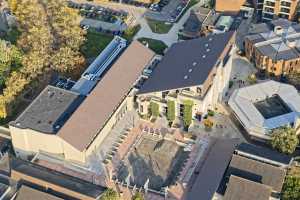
x=266 y=106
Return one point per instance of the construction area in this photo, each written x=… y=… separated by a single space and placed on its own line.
x=153 y=162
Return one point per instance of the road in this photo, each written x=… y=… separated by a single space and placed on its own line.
x=138 y=13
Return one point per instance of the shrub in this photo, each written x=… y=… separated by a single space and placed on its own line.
x=154 y=109
x=171 y=111
x=187 y=113
x=284 y=140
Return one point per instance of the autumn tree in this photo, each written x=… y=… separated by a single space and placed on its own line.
x=284 y=139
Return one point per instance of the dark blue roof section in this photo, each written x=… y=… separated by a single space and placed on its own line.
x=208 y=176
x=265 y=153
x=187 y=63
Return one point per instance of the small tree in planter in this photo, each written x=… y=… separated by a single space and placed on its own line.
x=154 y=109
x=211 y=113
x=187 y=113
x=208 y=124
x=171 y=112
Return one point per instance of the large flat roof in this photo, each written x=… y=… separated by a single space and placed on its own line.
x=243 y=100
x=210 y=174
x=264 y=153
x=26 y=193
x=56 y=178
x=187 y=63
x=49 y=111
x=243 y=189
x=88 y=120
x=256 y=171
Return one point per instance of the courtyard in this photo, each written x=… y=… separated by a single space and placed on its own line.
x=155 y=160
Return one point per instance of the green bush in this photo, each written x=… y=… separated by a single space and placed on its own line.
x=110 y=194
x=284 y=140
x=171 y=111
x=187 y=113
x=138 y=196
x=291 y=188
x=154 y=109
x=211 y=113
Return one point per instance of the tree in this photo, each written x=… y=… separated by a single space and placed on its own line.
x=154 y=109
x=284 y=140
x=187 y=113
x=138 y=196
x=10 y=60
x=110 y=194
x=171 y=111
x=291 y=188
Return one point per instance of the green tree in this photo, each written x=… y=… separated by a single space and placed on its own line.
x=10 y=59
x=110 y=194
x=291 y=188
x=171 y=111
x=154 y=109
x=138 y=196
x=187 y=113
x=284 y=140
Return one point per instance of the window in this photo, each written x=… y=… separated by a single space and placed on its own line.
x=286 y=4
x=269 y=3
x=285 y=10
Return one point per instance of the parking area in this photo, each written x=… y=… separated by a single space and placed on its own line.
x=100 y=18
x=166 y=10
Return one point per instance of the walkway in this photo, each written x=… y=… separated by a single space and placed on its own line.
x=169 y=38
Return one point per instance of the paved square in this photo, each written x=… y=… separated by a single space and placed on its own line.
x=157 y=159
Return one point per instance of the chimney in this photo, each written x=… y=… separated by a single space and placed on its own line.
x=278 y=30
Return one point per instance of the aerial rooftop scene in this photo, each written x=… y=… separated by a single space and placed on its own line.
x=150 y=99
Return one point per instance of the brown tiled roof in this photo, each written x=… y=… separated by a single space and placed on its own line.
x=243 y=189
x=26 y=193
x=257 y=171
x=93 y=113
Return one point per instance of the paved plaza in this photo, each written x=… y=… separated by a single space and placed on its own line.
x=152 y=158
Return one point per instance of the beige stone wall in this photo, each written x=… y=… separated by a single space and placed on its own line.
x=229 y=5
x=32 y=141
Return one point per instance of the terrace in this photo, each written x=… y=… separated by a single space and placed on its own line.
x=272 y=107
x=155 y=160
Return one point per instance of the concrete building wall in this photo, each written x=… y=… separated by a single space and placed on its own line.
x=28 y=142
x=275 y=7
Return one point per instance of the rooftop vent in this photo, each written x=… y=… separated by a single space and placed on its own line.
x=206 y=45
x=210 y=39
x=207 y=50
x=278 y=30
x=185 y=77
x=204 y=56
x=190 y=70
x=194 y=63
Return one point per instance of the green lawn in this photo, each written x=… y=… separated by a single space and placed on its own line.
x=95 y=43
x=159 y=27
x=156 y=45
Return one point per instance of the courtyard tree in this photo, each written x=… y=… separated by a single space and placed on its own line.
x=154 y=109
x=171 y=111
x=291 y=188
x=187 y=113
x=284 y=140
x=110 y=194
x=138 y=196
